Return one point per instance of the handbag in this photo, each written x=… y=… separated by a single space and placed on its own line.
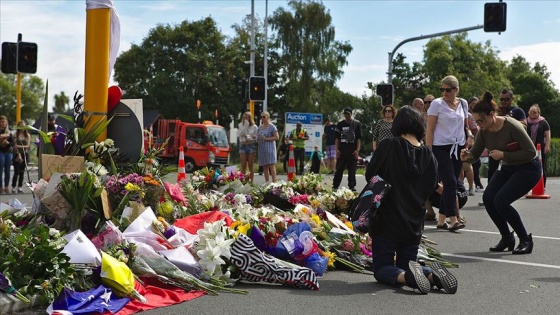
x=368 y=202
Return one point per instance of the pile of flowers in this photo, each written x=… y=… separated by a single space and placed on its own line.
x=202 y=234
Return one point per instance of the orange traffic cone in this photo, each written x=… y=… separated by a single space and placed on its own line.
x=181 y=174
x=291 y=165
x=538 y=190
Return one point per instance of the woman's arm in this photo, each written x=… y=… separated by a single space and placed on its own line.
x=431 y=126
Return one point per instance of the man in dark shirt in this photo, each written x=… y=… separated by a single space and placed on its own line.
x=348 y=144
x=329 y=132
x=508 y=109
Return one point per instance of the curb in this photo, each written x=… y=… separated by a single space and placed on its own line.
x=10 y=304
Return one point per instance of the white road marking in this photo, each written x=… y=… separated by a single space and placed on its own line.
x=502 y=261
x=496 y=233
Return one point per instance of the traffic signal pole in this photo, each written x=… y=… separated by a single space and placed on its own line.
x=392 y=54
x=18 y=88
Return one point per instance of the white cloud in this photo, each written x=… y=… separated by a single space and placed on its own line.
x=543 y=53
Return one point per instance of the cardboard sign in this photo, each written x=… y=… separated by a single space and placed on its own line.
x=61 y=164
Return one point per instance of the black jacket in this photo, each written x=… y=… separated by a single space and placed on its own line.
x=412 y=172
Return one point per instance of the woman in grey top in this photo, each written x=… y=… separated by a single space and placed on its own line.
x=518 y=172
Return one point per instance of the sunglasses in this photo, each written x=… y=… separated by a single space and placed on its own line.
x=506 y=99
x=263 y=117
x=427 y=102
x=448 y=90
x=388 y=110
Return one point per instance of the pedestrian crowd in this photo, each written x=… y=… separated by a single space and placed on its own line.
x=425 y=151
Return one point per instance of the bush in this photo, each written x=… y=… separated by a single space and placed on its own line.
x=553 y=158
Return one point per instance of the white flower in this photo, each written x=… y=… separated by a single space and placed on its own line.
x=239 y=199
x=109 y=142
x=210 y=258
x=54 y=232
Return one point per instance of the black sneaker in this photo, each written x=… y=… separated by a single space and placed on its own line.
x=415 y=278
x=443 y=279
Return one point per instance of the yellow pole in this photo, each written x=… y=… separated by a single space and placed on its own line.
x=252 y=108
x=18 y=101
x=98 y=26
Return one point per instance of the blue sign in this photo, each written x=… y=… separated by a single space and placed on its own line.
x=304 y=118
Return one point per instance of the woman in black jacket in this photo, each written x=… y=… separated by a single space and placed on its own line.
x=396 y=229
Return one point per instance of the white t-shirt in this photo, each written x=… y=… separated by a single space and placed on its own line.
x=450 y=125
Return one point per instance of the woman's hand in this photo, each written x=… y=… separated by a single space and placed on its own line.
x=465 y=155
x=496 y=155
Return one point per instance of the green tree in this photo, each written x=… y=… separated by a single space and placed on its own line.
x=175 y=66
x=310 y=58
x=532 y=85
x=32 y=93
x=61 y=102
x=476 y=66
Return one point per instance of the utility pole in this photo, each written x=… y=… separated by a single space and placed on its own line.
x=252 y=58
x=18 y=87
x=265 y=102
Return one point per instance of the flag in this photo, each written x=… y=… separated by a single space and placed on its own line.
x=96 y=300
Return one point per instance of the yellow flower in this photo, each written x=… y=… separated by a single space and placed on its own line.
x=316 y=219
x=244 y=228
x=132 y=187
x=234 y=225
x=331 y=259
x=349 y=225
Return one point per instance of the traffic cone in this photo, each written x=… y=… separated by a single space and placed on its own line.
x=181 y=174
x=291 y=165
x=538 y=190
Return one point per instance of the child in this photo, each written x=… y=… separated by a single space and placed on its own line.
x=316 y=158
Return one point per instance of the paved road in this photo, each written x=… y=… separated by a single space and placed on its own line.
x=489 y=283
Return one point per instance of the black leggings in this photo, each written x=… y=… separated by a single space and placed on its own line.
x=19 y=172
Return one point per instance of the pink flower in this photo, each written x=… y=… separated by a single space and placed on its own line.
x=175 y=192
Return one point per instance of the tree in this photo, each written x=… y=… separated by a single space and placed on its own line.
x=532 y=85
x=32 y=93
x=310 y=58
x=61 y=103
x=476 y=66
x=175 y=66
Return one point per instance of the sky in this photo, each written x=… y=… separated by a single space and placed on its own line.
x=373 y=27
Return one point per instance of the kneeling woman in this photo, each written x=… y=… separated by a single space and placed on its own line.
x=518 y=172
x=411 y=168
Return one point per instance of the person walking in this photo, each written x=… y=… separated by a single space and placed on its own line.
x=447 y=132
x=298 y=137
x=539 y=131
x=348 y=144
x=267 y=137
x=476 y=165
x=22 y=139
x=382 y=129
x=6 y=146
x=518 y=171
x=396 y=228
x=329 y=133
x=248 y=144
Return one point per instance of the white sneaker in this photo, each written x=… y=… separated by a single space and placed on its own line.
x=19 y=190
x=471 y=192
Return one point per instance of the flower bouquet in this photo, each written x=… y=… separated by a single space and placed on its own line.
x=6 y=286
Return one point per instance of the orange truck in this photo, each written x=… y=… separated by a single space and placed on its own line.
x=205 y=144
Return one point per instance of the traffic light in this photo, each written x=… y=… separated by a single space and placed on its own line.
x=27 y=57
x=257 y=87
x=198 y=104
x=495 y=17
x=386 y=93
x=242 y=89
x=9 y=51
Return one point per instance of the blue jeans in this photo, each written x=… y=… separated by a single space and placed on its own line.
x=385 y=267
x=5 y=163
x=449 y=168
x=506 y=186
